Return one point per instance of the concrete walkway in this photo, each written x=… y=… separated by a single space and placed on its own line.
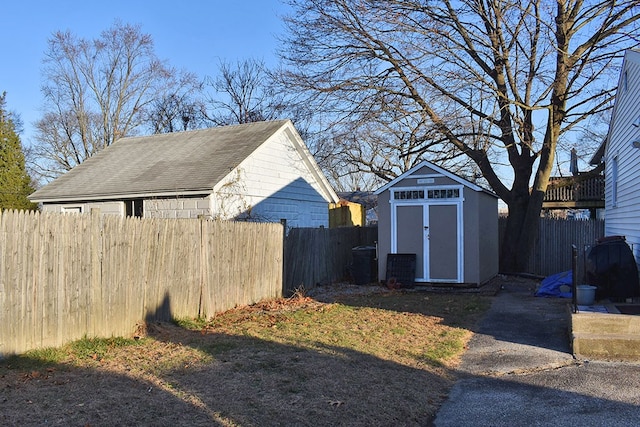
x=519 y=371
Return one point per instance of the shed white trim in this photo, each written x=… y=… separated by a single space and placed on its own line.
x=426 y=203
x=440 y=172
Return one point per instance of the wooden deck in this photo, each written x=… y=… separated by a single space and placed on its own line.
x=584 y=194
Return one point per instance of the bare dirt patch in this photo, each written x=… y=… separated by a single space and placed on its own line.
x=341 y=355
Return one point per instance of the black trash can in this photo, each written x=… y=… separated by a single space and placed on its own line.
x=611 y=267
x=363 y=269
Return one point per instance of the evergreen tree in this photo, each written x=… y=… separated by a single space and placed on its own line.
x=15 y=183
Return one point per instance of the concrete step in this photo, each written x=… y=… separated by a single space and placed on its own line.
x=606 y=346
x=605 y=323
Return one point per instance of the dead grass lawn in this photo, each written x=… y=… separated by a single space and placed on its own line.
x=380 y=359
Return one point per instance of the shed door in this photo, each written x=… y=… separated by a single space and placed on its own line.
x=411 y=235
x=432 y=232
x=443 y=243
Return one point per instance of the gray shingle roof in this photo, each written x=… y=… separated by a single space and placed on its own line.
x=177 y=162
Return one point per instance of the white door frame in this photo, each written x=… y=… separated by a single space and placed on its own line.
x=426 y=203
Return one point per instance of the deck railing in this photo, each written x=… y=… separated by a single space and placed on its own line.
x=589 y=189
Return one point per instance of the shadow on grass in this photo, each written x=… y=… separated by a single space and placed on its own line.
x=36 y=393
x=516 y=315
x=455 y=310
x=222 y=380
x=257 y=382
x=198 y=378
x=193 y=378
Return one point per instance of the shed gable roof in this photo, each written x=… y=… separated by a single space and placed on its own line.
x=439 y=170
x=172 y=163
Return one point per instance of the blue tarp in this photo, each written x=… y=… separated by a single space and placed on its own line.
x=551 y=285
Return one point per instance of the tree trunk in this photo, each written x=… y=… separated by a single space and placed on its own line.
x=524 y=213
x=525 y=205
x=519 y=238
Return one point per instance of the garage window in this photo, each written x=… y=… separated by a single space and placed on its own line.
x=134 y=208
x=72 y=209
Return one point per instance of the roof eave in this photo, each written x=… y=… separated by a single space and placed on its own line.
x=330 y=194
x=120 y=196
x=598 y=156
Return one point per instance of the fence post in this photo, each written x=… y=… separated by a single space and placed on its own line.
x=283 y=221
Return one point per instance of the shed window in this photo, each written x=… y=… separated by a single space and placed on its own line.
x=408 y=194
x=436 y=193
x=444 y=193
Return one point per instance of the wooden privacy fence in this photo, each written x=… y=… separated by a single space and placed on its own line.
x=322 y=255
x=63 y=277
x=552 y=250
x=316 y=255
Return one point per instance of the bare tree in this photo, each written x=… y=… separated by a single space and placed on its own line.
x=181 y=109
x=96 y=91
x=243 y=93
x=497 y=81
x=248 y=91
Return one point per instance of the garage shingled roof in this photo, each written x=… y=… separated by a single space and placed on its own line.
x=191 y=161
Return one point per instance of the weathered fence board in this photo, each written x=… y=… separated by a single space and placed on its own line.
x=315 y=256
x=321 y=255
x=552 y=250
x=66 y=276
x=245 y=256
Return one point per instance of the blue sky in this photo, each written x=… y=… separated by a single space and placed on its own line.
x=194 y=36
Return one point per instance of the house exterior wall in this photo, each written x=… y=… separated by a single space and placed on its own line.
x=178 y=207
x=175 y=207
x=273 y=183
x=622 y=159
x=105 y=207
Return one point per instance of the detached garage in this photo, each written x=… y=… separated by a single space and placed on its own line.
x=260 y=171
x=449 y=223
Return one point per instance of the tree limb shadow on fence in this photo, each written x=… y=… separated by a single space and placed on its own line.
x=552 y=250
x=318 y=256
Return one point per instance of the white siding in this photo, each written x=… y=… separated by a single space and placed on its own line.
x=622 y=215
x=274 y=183
x=107 y=208
x=177 y=207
